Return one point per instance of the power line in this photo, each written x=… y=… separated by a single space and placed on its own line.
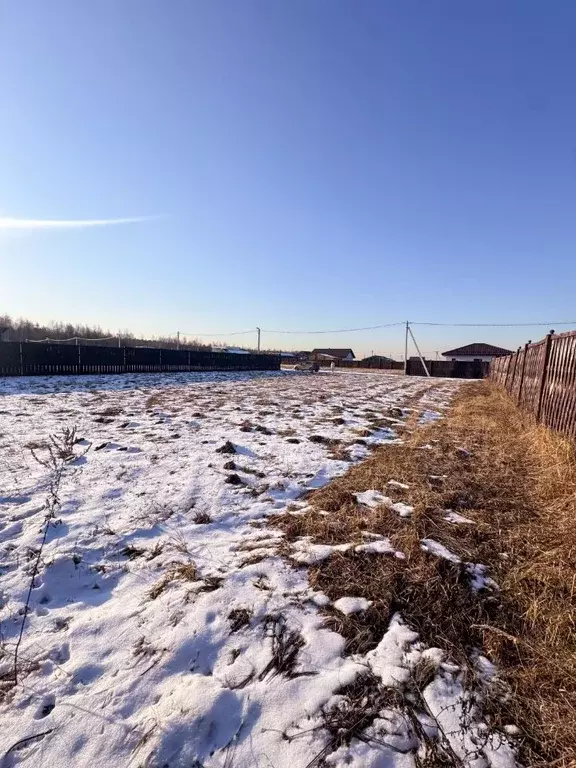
x=340 y=330
x=548 y=323
x=499 y=325
x=234 y=333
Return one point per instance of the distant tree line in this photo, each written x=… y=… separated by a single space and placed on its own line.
x=25 y=330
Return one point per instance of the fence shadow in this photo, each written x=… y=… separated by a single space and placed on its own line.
x=126 y=381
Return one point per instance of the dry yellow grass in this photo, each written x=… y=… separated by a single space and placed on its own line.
x=517 y=482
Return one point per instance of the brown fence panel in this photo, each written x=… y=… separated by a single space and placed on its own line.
x=518 y=373
x=559 y=400
x=532 y=375
x=542 y=378
x=567 y=415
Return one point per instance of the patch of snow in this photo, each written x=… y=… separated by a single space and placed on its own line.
x=401 y=509
x=307 y=553
x=479 y=580
x=373 y=499
x=349 y=605
x=379 y=547
x=460 y=723
x=388 y=659
x=435 y=548
x=454 y=517
x=397 y=484
x=428 y=417
x=357 y=452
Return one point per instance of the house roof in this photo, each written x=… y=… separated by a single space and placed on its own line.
x=338 y=353
x=477 y=349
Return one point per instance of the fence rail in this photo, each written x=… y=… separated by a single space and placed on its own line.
x=542 y=379
x=32 y=359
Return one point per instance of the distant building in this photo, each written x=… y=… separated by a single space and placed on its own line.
x=232 y=350
x=375 y=359
x=476 y=351
x=332 y=354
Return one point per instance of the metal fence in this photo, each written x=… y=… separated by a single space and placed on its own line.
x=451 y=369
x=542 y=379
x=379 y=365
x=32 y=359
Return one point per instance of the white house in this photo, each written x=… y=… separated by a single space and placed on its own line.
x=477 y=351
x=332 y=354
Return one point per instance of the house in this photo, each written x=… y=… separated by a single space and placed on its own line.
x=232 y=350
x=332 y=354
x=476 y=351
x=376 y=359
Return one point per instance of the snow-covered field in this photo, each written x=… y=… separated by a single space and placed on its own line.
x=165 y=628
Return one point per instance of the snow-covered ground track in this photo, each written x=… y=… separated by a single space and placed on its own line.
x=166 y=625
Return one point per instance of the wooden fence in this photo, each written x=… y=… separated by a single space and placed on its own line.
x=33 y=359
x=451 y=369
x=542 y=379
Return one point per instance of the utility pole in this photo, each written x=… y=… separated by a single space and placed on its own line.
x=258 y=329
x=177 y=339
x=419 y=353
x=406 y=349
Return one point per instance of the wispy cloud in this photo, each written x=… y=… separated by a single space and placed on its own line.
x=28 y=225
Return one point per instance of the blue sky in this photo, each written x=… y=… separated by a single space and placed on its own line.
x=312 y=164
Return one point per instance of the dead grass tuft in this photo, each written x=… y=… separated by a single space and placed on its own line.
x=153 y=401
x=202 y=518
x=358 y=705
x=227 y=448
x=177 y=572
x=286 y=644
x=238 y=618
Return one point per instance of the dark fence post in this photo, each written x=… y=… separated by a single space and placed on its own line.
x=522 y=371
x=21 y=360
x=544 y=375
